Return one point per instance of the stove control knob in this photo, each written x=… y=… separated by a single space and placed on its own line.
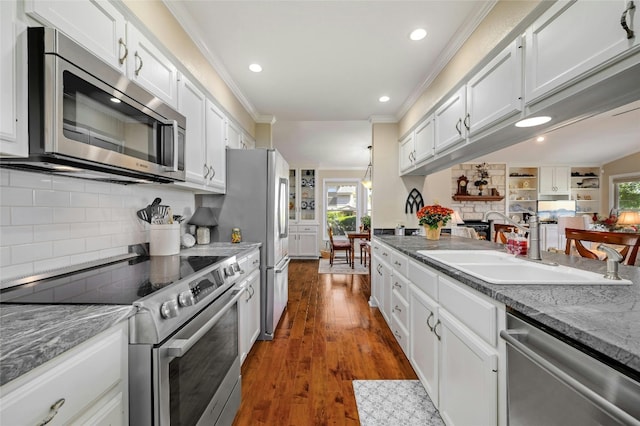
x=236 y=267
x=186 y=298
x=228 y=271
x=169 y=309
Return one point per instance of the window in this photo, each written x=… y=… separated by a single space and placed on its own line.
x=626 y=193
x=345 y=201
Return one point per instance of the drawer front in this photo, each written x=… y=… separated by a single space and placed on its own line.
x=399 y=262
x=307 y=229
x=250 y=262
x=477 y=314
x=293 y=229
x=400 y=309
x=400 y=285
x=402 y=335
x=82 y=377
x=424 y=278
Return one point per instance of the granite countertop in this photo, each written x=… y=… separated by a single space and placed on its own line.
x=605 y=318
x=31 y=335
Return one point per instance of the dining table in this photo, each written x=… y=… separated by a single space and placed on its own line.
x=356 y=236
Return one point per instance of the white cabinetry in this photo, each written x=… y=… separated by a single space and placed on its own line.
x=449 y=121
x=302 y=195
x=148 y=67
x=418 y=146
x=399 y=305
x=13 y=82
x=572 y=39
x=249 y=303
x=585 y=189
x=89 y=383
x=406 y=153
x=381 y=279
x=216 y=163
x=303 y=241
x=549 y=237
x=192 y=104
x=455 y=348
x=97 y=25
x=234 y=135
x=554 y=180
x=523 y=190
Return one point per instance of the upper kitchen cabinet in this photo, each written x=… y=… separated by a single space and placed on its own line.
x=302 y=195
x=554 y=181
x=573 y=39
x=406 y=153
x=234 y=136
x=216 y=157
x=450 y=121
x=248 y=142
x=192 y=103
x=103 y=30
x=418 y=146
x=148 y=67
x=495 y=92
x=13 y=82
x=96 y=24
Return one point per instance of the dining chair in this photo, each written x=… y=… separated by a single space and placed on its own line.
x=500 y=230
x=573 y=222
x=628 y=242
x=364 y=248
x=337 y=246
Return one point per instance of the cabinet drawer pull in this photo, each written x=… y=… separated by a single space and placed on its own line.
x=398 y=335
x=397 y=285
x=52 y=411
x=428 y=324
x=623 y=19
x=435 y=329
x=206 y=172
x=467 y=121
x=141 y=63
x=126 y=51
x=397 y=308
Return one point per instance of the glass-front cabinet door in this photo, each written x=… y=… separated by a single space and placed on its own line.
x=302 y=195
x=307 y=195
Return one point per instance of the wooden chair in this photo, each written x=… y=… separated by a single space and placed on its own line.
x=337 y=246
x=631 y=243
x=499 y=232
x=365 y=249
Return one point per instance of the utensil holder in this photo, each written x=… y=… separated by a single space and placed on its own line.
x=164 y=240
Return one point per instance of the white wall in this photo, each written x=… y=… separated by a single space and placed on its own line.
x=49 y=222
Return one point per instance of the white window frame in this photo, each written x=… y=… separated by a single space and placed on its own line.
x=613 y=193
x=361 y=203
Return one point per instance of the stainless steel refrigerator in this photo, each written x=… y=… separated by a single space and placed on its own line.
x=257 y=202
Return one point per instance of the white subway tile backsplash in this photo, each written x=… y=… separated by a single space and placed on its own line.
x=48 y=222
x=30 y=252
x=31 y=215
x=16 y=196
x=51 y=232
x=15 y=235
x=83 y=199
x=68 y=214
x=51 y=198
x=68 y=247
x=19 y=179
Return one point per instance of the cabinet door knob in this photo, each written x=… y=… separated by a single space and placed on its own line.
x=52 y=411
x=623 y=20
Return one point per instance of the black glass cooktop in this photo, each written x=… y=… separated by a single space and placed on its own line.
x=120 y=283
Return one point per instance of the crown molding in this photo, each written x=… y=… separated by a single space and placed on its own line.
x=382 y=119
x=266 y=119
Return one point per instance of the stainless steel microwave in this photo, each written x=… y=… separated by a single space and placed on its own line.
x=88 y=120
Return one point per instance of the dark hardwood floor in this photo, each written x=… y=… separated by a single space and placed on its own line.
x=327 y=337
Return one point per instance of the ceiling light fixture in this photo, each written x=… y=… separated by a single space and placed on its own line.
x=255 y=67
x=367 y=180
x=384 y=98
x=533 y=121
x=418 y=34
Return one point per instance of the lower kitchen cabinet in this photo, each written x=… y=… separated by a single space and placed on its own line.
x=303 y=241
x=85 y=385
x=249 y=303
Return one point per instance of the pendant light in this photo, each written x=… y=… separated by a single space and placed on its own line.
x=367 y=180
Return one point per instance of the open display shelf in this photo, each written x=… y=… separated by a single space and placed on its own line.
x=522 y=189
x=585 y=189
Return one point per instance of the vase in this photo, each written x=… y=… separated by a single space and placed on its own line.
x=433 y=233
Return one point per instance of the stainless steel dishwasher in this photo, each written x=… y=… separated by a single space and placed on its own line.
x=551 y=383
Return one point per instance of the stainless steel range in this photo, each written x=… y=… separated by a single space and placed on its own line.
x=184 y=366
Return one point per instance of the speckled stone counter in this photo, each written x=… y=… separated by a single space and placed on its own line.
x=34 y=334
x=31 y=335
x=605 y=318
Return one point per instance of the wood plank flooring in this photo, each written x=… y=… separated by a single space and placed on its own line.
x=327 y=337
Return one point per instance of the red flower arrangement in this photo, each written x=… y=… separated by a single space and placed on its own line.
x=432 y=216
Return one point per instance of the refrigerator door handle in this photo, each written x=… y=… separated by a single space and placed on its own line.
x=283 y=211
x=282 y=266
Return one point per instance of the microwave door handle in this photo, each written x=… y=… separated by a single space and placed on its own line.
x=176 y=145
x=179 y=347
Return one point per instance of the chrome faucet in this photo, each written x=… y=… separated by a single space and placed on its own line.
x=613 y=259
x=533 y=252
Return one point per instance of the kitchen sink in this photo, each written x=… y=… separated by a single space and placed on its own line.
x=502 y=268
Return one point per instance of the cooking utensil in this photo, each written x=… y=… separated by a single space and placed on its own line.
x=143 y=215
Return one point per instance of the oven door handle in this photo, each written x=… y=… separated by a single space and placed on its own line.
x=177 y=348
x=510 y=337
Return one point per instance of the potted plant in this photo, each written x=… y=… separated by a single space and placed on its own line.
x=483 y=174
x=433 y=218
x=365 y=221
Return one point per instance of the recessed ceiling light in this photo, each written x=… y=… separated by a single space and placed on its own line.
x=418 y=34
x=533 y=121
x=255 y=67
x=115 y=100
x=540 y=139
x=384 y=98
